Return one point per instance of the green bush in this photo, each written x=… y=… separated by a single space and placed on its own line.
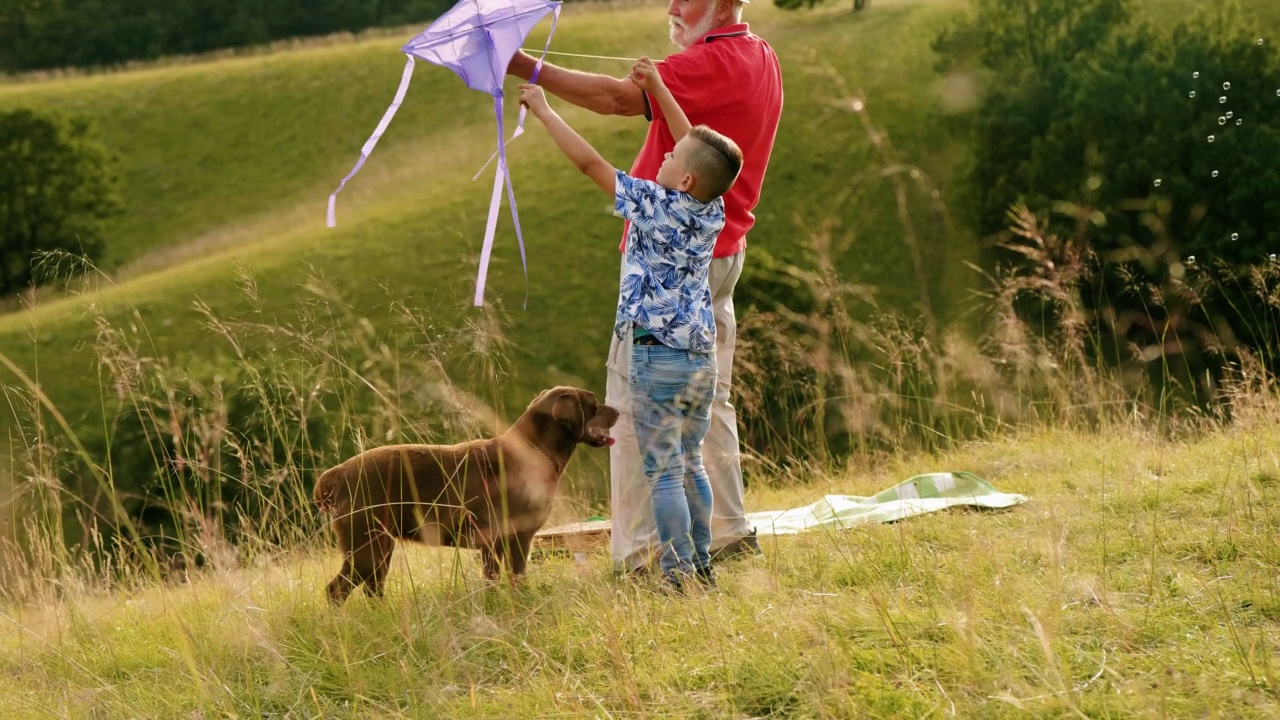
x=84 y=33
x=57 y=191
x=1115 y=127
x=1155 y=151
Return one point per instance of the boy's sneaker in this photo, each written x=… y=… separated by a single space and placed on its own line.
x=707 y=576
x=676 y=584
x=745 y=545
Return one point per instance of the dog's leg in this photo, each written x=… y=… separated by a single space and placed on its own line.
x=340 y=587
x=366 y=549
x=381 y=546
x=491 y=558
x=517 y=553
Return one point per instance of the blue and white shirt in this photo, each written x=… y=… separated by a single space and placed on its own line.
x=667 y=260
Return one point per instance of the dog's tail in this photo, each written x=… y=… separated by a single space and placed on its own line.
x=326 y=492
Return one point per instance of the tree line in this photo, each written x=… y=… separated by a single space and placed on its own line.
x=43 y=34
x=1149 y=156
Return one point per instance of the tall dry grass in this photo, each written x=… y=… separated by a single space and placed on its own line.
x=210 y=462
x=165 y=563
x=1058 y=336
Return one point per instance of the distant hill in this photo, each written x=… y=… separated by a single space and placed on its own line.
x=227 y=164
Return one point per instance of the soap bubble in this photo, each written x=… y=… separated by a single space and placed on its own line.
x=1222 y=120
x=1191 y=259
x=1229 y=114
x=1226 y=86
x=1210 y=138
x=1235 y=236
x=1222 y=100
x=1157 y=183
x=1215 y=173
x=1239 y=121
x=1192 y=94
x=1196 y=75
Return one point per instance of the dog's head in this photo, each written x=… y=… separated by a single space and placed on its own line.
x=586 y=419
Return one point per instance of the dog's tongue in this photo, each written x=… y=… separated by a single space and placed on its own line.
x=609 y=440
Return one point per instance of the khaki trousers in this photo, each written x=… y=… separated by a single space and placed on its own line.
x=634 y=535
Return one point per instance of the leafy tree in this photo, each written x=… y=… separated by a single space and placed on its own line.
x=1165 y=140
x=798 y=4
x=1030 y=36
x=57 y=191
x=36 y=34
x=1125 y=120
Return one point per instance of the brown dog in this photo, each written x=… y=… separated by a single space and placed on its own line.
x=491 y=494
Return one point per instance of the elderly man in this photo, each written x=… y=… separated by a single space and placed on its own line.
x=727 y=78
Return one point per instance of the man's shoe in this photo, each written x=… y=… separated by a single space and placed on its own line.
x=636 y=573
x=745 y=545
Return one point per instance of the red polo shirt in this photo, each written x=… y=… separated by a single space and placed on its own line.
x=729 y=80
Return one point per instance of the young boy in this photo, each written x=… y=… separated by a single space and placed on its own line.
x=664 y=306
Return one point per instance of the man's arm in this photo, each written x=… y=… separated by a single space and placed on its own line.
x=584 y=157
x=597 y=93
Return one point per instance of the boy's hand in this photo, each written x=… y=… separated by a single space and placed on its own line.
x=532 y=97
x=645 y=74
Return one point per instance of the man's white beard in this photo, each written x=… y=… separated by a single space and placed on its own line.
x=684 y=36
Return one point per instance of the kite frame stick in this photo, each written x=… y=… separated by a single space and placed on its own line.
x=580 y=55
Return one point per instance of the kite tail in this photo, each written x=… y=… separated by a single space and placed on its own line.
x=331 y=218
x=515 y=219
x=533 y=80
x=500 y=177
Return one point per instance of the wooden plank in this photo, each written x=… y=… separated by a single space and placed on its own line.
x=573 y=538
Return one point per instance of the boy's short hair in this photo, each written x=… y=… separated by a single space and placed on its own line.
x=715 y=161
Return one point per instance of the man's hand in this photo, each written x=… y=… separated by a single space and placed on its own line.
x=532 y=97
x=645 y=75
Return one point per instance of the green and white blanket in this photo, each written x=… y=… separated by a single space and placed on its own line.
x=917 y=496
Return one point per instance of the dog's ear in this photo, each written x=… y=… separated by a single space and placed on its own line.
x=538 y=400
x=570 y=411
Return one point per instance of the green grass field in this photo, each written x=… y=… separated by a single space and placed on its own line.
x=1138 y=581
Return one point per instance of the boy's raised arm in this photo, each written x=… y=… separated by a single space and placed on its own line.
x=588 y=161
x=645 y=75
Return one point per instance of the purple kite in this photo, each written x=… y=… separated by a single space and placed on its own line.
x=476 y=39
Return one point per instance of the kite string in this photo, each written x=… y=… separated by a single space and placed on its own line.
x=580 y=55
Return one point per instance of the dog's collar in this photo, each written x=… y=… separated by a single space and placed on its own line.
x=554 y=465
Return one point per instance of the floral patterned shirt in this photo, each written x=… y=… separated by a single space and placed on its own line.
x=664 y=285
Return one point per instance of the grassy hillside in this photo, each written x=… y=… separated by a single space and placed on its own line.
x=228 y=165
x=1137 y=582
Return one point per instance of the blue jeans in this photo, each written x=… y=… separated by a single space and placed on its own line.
x=671 y=395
